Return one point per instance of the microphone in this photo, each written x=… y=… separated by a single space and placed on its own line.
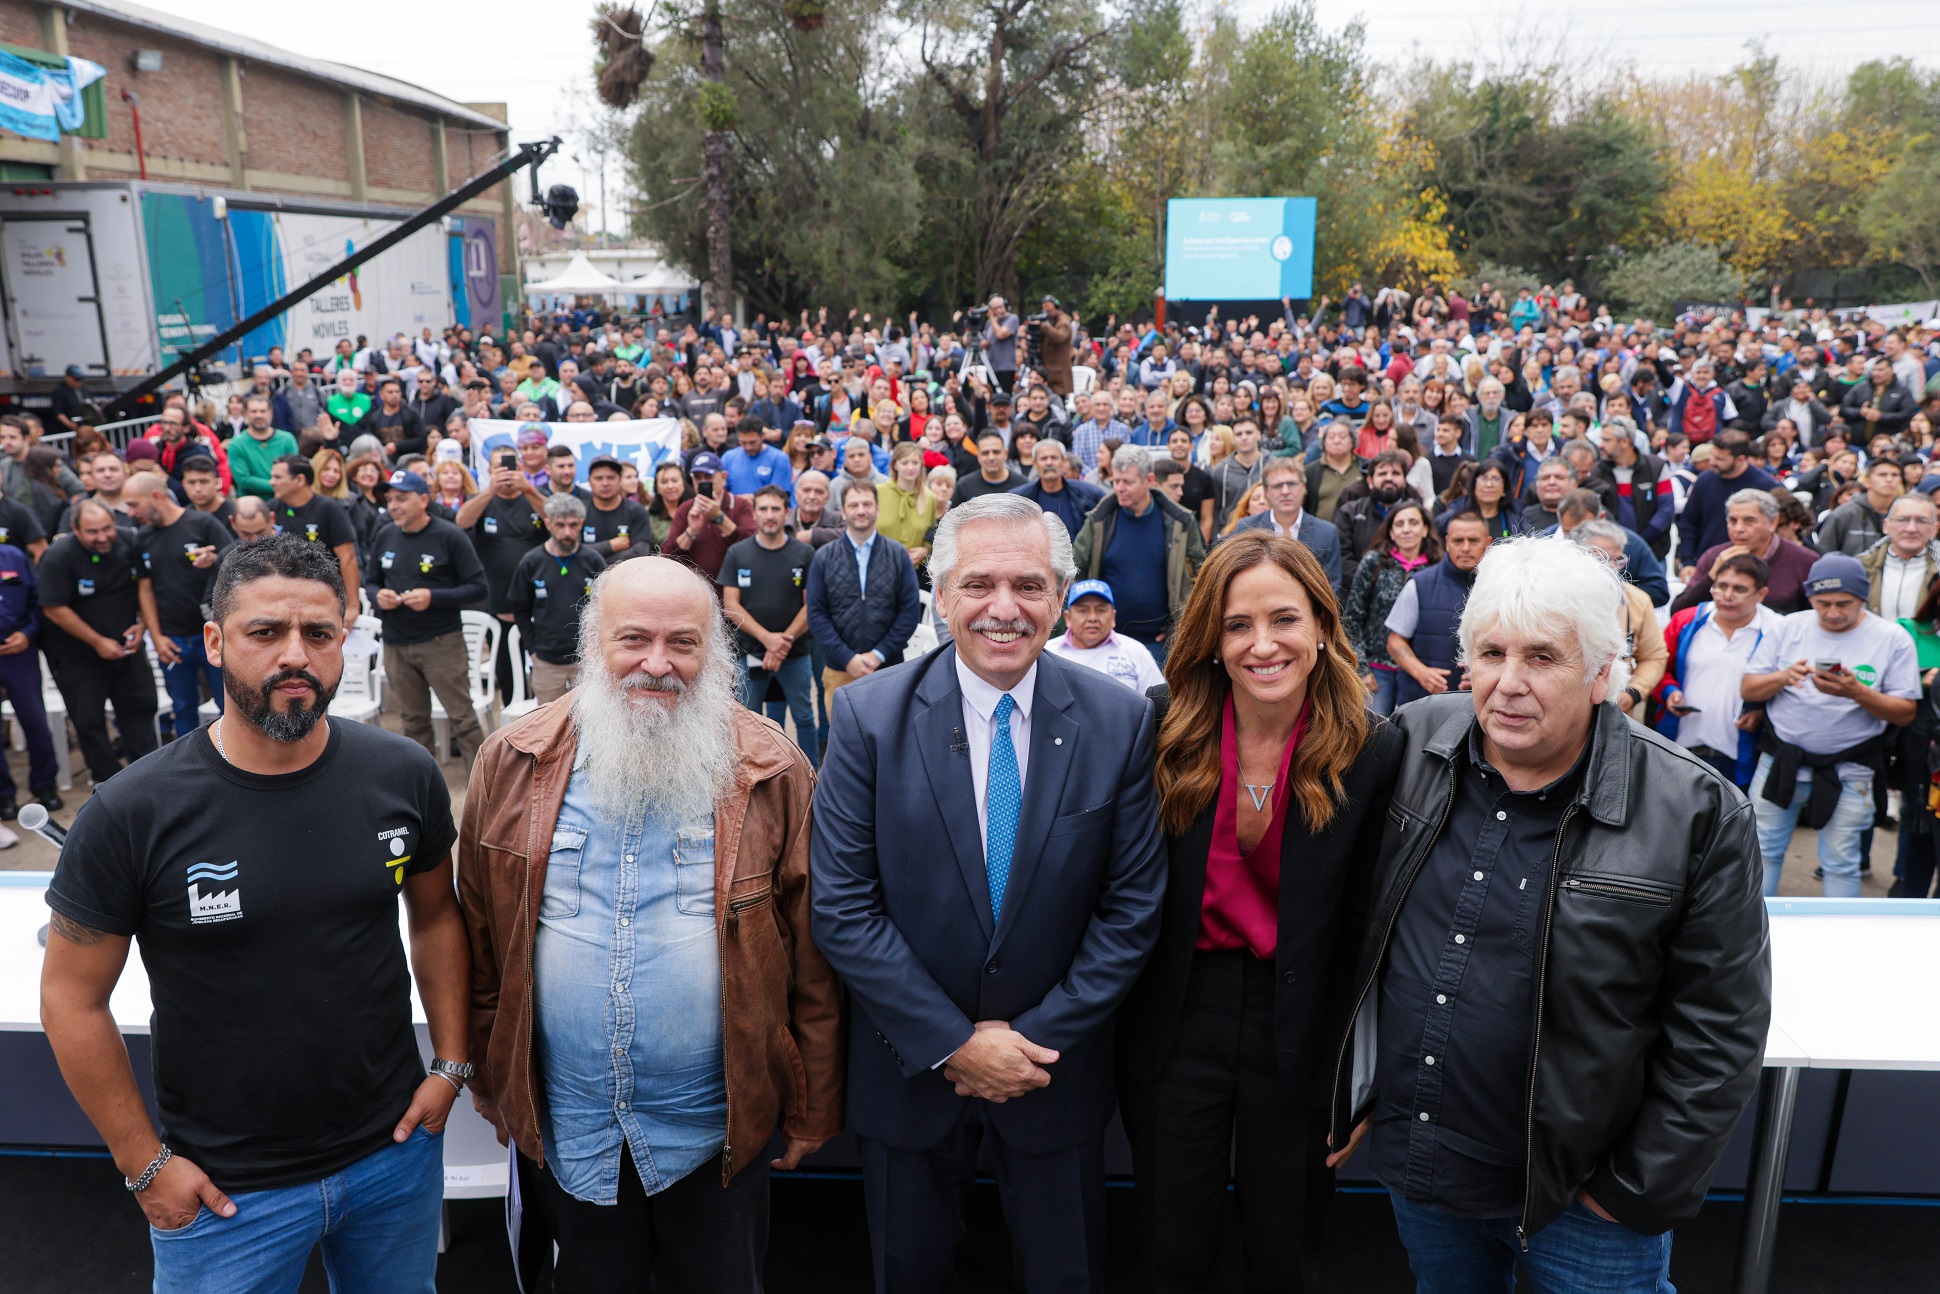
x=961 y=747
x=35 y=818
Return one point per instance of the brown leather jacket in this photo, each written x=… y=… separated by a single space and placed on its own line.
x=780 y=1008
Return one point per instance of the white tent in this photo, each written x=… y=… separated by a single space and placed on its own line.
x=578 y=279
x=665 y=283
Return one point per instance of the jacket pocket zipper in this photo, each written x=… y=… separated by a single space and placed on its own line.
x=737 y=907
x=1609 y=888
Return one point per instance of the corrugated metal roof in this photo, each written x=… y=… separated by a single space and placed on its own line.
x=259 y=52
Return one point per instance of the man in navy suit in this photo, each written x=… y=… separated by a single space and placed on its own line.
x=1286 y=491
x=987 y=874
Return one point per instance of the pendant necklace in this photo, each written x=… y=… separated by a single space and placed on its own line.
x=1259 y=793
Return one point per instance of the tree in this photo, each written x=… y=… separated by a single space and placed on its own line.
x=1653 y=283
x=1901 y=219
x=1014 y=77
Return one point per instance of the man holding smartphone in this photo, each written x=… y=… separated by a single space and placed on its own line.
x=1700 y=706
x=1831 y=678
x=705 y=525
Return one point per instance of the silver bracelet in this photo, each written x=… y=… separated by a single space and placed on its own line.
x=456 y=1086
x=148 y=1174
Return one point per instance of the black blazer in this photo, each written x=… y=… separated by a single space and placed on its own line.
x=1326 y=884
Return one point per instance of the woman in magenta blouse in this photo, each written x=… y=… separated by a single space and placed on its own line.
x=1271 y=777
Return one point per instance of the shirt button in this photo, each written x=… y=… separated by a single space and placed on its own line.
x=1427 y=1060
x=1288 y=977
x=1500 y=816
x=1478 y=876
x=626 y=921
x=1424 y=1116
x=623 y=1106
x=1460 y=939
x=1441 y=999
x=629 y=858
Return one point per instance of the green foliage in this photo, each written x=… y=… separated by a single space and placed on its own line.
x=1901 y=220
x=714 y=106
x=1652 y=283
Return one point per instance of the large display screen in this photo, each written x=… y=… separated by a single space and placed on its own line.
x=1239 y=249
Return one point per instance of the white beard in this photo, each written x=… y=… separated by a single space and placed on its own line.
x=669 y=760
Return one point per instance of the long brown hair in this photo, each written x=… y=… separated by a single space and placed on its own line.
x=1188 y=769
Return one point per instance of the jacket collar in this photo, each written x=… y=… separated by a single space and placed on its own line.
x=1605 y=789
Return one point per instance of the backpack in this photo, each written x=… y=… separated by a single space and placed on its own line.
x=1700 y=417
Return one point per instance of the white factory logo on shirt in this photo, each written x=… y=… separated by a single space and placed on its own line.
x=215 y=905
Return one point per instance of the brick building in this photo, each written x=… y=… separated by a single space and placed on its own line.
x=230 y=112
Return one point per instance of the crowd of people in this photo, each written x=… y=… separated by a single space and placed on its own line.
x=1398 y=593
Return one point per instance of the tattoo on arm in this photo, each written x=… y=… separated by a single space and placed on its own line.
x=73 y=931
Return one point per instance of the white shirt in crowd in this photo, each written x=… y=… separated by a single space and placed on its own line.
x=1878 y=651
x=1899 y=585
x=1714 y=668
x=980 y=727
x=1127 y=661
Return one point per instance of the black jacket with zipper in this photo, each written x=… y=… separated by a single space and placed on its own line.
x=1653 y=975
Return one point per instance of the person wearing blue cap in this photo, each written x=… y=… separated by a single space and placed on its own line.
x=1091 y=639
x=1831 y=679
x=706 y=524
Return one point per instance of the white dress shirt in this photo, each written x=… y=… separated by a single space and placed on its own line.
x=979 y=725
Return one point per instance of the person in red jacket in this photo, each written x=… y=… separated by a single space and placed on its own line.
x=176 y=441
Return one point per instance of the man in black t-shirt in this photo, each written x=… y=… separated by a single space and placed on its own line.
x=550 y=586
x=259 y=863
x=393 y=422
x=178 y=550
x=505 y=521
x=203 y=488
x=301 y=511
x=422 y=571
x=616 y=527
x=19 y=527
x=764 y=583
x=89 y=597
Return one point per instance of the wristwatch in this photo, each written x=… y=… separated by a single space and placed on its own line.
x=455 y=1070
x=1636 y=697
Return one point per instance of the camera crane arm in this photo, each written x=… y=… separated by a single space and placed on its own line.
x=560 y=203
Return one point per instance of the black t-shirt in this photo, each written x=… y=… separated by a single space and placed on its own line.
x=18 y=525
x=265 y=909
x=439 y=558
x=508 y=530
x=546 y=595
x=773 y=583
x=1198 y=488
x=629 y=519
x=167 y=563
x=224 y=511
x=975 y=487
x=99 y=587
x=66 y=400
x=401 y=429
x=321 y=521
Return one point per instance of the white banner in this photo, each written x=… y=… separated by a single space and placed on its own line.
x=643 y=442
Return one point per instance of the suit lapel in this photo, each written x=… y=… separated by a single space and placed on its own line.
x=939 y=734
x=1054 y=742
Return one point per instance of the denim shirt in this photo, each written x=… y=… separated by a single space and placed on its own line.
x=627 y=997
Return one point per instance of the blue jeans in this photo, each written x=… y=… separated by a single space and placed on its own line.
x=1381 y=699
x=797 y=678
x=1838 y=839
x=184 y=681
x=377 y=1220
x=1578 y=1253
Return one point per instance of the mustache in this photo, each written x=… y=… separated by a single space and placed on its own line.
x=992 y=625
x=648 y=683
x=304 y=676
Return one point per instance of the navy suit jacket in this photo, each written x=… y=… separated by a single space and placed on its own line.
x=1322 y=539
x=901 y=900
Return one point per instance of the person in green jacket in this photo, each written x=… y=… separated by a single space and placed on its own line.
x=259 y=445
x=347 y=405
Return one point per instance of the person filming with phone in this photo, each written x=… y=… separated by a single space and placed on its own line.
x=1831 y=679
x=1699 y=704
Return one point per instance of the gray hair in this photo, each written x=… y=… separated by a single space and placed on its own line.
x=1760 y=499
x=1125 y=459
x=1543 y=585
x=1565 y=370
x=565 y=505
x=1014 y=509
x=1609 y=531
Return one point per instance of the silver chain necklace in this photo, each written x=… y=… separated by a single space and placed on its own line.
x=215 y=735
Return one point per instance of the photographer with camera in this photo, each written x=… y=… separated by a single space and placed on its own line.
x=1051 y=348
x=1000 y=342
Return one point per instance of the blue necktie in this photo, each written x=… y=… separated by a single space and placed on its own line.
x=1003 y=800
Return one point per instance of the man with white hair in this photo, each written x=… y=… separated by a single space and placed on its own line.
x=1552 y=870
x=647 y=1006
x=983 y=992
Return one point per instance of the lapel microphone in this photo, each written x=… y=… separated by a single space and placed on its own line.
x=960 y=746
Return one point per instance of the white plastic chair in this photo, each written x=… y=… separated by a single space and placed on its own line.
x=481 y=642
x=522 y=702
x=1083 y=379
x=924 y=640
x=356 y=698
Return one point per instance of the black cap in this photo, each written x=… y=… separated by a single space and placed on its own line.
x=1000 y=397
x=604 y=460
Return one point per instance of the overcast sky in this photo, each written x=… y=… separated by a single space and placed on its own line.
x=534 y=57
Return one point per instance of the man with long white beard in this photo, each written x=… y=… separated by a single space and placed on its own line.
x=643 y=1020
